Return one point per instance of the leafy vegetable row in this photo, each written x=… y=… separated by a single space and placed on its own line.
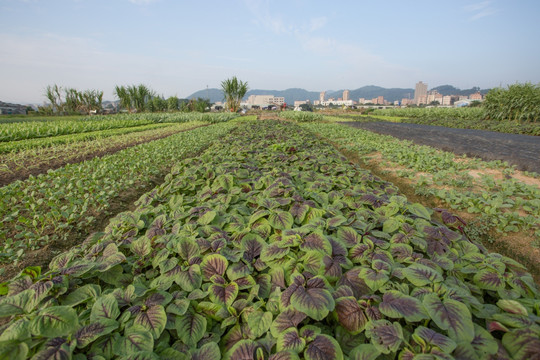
x=19 y=165
x=19 y=145
x=505 y=204
x=44 y=129
x=473 y=113
x=301 y=116
x=56 y=205
x=270 y=245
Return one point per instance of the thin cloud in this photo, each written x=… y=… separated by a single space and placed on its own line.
x=480 y=10
x=142 y=2
x=317 y=23
x=264 y=15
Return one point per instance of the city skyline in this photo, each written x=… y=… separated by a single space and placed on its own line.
x=178 y=48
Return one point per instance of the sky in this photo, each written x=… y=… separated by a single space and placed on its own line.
x=177 y=47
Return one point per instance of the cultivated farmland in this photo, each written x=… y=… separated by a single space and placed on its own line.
x=269 y=244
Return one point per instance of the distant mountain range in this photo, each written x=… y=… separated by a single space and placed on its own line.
x=366 y=92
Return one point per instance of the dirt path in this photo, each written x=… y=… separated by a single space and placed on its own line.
x=523 y=151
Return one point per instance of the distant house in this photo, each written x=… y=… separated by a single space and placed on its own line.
x=8 y=109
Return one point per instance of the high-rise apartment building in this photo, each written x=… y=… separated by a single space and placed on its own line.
x=321 y=96
x=420 y=92
x=346 y=95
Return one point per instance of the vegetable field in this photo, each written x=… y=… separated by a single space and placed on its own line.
x=270 y=244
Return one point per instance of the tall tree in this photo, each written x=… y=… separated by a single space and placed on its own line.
x=54 y=95
x=233 y=92
x=123 y=95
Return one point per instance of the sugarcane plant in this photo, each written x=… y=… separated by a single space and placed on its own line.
x=233 y=92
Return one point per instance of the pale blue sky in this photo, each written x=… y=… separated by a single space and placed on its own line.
x=179 y=47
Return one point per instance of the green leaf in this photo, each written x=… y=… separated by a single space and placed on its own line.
x=489 y=279
x=105 y=307
x=450 y=315
x=259 y=322
x=336 y=221
x=135 y=339
x=187 y=248
x=223 y=294
x=323 y=347
x=153 y=319
x=522 y=344
x=313 y=300
x=191 y=328
x=213 y=264
x=385 y=336
x=420 y=275
x=209 y=351
x=484 y=343
x=290 y=340
x=21 y=303
x=55 y=321
x=18 y=330
x=207 y=218
x=272 y=252
x=284 y=355
x=13 y=350
x=242 y=350
x=348 y=236
x=288 y=318
x=141 y=247
x=391 y=225
x=419 y=210
x=350 y=314
x=425 y=336
x=365 y=352
x=398 y=305
x=373 y=278
x=512 y=307
x=281 y=220
x=82 y=294
x=189 y=279
x=91 y=332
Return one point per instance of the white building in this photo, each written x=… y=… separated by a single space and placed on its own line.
x=300 y=102
x=338 y=102
x=264 y=100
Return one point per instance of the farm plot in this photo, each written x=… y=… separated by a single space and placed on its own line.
x=271 y=245
x=53 y=153
x=60 y=204
x=501 y=201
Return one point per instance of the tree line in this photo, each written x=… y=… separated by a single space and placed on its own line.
x=135 y=98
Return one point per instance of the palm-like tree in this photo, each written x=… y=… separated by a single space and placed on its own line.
x=122 y=93
x=233 y=92
x=134 y=96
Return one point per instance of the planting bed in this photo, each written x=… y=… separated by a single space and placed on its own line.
x=19 y=165
x=271 y=245
x=66 y=203
x=519 y=150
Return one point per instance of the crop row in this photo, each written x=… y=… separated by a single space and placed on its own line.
x=476 y=113
x=301 y=116
x=18 y=145
x=270 y=245
x=43 y=129
x=504 y=203
x=19 y=165
x=55 y=205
